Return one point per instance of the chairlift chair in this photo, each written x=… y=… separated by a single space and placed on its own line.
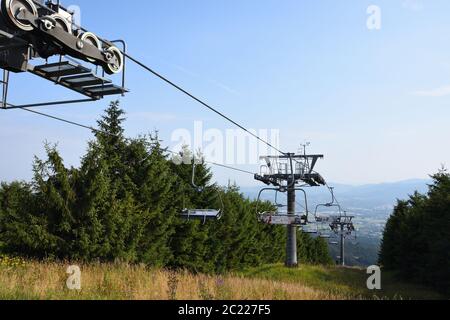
x=282 y=219
x=202 y=214
x=259 y=200
x=332 y=204
x=343 y=224
x=277 y=217
x=308 y=230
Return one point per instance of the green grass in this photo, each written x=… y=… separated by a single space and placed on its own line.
x=32 y=280
x=340 y=281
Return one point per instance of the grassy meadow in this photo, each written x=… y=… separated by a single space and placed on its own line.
x=28 y=280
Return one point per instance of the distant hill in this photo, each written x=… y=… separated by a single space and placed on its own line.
x=370 y=196
x=371 y=204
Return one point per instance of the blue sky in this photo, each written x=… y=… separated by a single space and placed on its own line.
x=376 y=103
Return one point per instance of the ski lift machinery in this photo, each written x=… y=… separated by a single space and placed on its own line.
x=275 y=172
x=281 y=173
x=32 y=30
x=202 y=214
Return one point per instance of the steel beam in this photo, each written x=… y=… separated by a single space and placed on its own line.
x=291 y=243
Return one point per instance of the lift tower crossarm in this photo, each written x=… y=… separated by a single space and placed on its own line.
x=306 y=174
x=297 y=156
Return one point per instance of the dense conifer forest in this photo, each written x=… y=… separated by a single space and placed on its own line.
x=416 y=243
x=123 y=204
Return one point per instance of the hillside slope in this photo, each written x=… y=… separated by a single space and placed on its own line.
x=43 y=281
x=344 y=282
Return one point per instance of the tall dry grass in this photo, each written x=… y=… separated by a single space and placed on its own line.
x=120 y=281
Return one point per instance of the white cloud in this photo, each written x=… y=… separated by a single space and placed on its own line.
x=414 y=5
x=224 y=87
x=435 y=93
x=214 y=82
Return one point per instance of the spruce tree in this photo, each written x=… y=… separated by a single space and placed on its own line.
x=108 y=194
x=416 y=241
x=23 y=227
x=189 y=240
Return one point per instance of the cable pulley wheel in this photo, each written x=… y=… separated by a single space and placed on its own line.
x=12 y=8
x=62 y=22
x=92 y=39
x=117 y=60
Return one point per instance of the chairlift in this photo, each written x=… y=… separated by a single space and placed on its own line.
x=332 y=204
x=202 y=214
x=307 y=230
x=277 y=217
x=277 y=190
x=282 y=219
x=343 y=225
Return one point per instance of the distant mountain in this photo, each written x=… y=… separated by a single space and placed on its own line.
x=379 y=195
x=371 y=204
x=370 y=196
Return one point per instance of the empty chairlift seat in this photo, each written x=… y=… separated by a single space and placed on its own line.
x=273 y=218
x=201 y=214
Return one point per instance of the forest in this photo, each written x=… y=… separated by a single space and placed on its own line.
x=416 y=242
x=123 y=203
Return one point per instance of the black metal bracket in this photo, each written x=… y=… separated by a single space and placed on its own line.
x=70 y=44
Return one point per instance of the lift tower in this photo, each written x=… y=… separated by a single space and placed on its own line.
x=285 y=173
x=343 y=226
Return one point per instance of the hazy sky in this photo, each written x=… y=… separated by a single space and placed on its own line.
x=375 y=102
